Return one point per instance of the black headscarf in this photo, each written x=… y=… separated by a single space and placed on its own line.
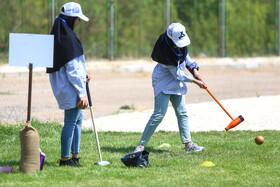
x=164 y=51
x=66 y=44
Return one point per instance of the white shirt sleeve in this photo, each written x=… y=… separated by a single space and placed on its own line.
x=191 y=63
x=76 y=74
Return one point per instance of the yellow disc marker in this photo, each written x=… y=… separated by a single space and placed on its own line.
x=208 y=164
x=164 y=145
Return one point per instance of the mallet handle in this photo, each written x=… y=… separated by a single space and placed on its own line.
x=92 y=119
x=211 y=94
x=218 y=103
x=88 y=94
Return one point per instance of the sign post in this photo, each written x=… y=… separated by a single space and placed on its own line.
x=30 y=50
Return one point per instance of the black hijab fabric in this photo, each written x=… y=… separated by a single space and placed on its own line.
x=66 y=44
x=165 y=53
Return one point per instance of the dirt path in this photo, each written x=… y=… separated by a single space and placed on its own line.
x=113 y=89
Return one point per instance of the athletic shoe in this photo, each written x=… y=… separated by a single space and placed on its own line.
x=193 y=147
x=69 y=162
x=139 y=148
x=76 y=160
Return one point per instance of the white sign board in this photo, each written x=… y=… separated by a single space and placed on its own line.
x=31 y=48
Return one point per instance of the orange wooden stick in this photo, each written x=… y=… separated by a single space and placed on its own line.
x=218 y=103
x=234 y=122
x=214 y=97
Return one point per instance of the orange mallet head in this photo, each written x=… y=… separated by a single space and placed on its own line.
x=235 y=122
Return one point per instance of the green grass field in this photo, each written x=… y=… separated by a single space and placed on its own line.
x=238 y=160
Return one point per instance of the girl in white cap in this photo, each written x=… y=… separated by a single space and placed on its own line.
x=68 y=80
x=168 y=81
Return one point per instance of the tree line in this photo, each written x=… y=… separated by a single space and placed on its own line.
x=251 y=26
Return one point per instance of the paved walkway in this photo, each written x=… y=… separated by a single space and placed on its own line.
x=260 y=113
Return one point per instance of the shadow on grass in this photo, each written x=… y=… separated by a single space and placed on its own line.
x=131 y=149
x=52 y=163
x=9 y=163
x=128 y=150
x=17 y=163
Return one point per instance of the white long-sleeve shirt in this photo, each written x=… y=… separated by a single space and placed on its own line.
x=69 y=83
x=171 y=79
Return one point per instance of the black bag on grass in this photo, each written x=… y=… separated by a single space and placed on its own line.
x=137 y=159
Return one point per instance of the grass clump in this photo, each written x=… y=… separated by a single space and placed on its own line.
x=128 y=107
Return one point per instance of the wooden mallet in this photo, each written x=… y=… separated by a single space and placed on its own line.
x=234 y=122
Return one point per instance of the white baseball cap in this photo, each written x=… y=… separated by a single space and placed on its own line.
x=74 y=10
x=177 y=33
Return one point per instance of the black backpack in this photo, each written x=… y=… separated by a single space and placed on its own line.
x=137 y=159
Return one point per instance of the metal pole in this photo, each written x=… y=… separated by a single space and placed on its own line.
x=278 y=27
x=22 y=16
x=195 y=26
x=140 y=30
x=251 y=28
x=167 y=13
x=53 y=12
x=82 y=33
x=112 y=30
x=223 y=29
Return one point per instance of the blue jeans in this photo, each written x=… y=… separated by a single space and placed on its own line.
x=71 y=132
x=161 y=105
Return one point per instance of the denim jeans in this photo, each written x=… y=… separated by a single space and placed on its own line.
x=71 y=132
x=160 y=108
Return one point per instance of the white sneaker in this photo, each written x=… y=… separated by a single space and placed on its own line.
x=139 y=148
x=193 y=147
